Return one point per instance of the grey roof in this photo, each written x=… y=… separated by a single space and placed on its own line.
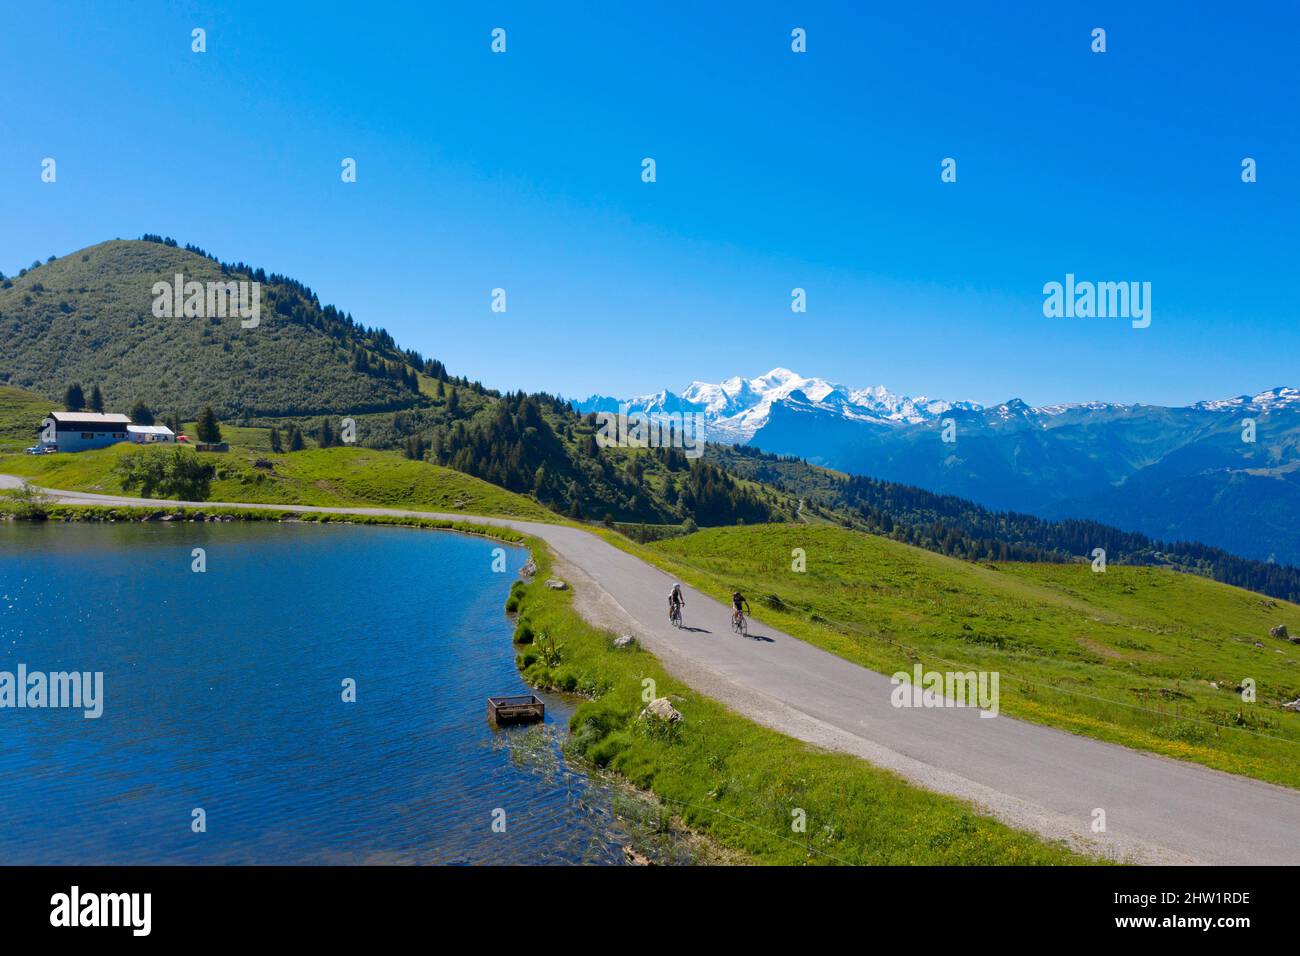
x=89 y=418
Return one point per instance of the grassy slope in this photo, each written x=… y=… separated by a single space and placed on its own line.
x=359 y=477
x=21 y=414
x=740 y=782
x=1127 y=656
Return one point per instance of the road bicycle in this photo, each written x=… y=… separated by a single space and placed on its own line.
x=739 y=623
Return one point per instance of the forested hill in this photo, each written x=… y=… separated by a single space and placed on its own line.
x=963 y=529
x=88 y=317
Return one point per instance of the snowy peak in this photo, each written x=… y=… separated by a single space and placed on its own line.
x=736 y=408
x=1275 y=398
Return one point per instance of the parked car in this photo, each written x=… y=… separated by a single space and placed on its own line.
x=35 y=450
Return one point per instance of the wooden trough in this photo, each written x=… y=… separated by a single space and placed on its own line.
x=516 y=709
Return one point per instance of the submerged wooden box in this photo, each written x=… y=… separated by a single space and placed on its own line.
x=516 y=709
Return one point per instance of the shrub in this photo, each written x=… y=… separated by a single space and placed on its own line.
x=32 y=504
x=176 y=473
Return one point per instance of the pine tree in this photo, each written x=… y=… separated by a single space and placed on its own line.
x=277 y=445
x=207 y=428
x=74 y=399
x=96 y=400
x=295 y=439
x=140 y=414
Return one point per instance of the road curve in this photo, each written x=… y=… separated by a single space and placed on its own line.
x=1032 y=777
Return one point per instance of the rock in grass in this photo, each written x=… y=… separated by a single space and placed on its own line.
x=1279 y=631
x=529 y=569
x=625 y=640
x=661 y=709
x=1294 y=705
x=634 y=858
x=555 y=584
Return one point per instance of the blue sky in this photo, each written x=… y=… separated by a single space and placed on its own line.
x=775 y=170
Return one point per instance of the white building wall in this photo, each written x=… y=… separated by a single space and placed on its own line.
x=76 y=440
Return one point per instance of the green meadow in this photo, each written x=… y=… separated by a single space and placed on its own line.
x=1145 y=657
x=331 y=477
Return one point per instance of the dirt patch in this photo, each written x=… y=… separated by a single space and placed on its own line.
x=1101 y=650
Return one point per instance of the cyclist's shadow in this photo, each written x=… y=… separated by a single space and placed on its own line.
x=695 y=630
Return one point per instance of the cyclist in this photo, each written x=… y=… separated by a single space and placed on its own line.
x=675 y=603
x=739 y=610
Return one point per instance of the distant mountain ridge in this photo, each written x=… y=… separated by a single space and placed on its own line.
x=1171 y=473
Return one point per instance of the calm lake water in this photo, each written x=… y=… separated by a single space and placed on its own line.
x=222 y=691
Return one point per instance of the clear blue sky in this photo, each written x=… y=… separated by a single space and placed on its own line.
x=775 y=170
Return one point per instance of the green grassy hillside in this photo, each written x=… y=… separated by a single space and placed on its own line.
x=88 y=318
x=1131 y=655
x=21 y=414
x=342 y=477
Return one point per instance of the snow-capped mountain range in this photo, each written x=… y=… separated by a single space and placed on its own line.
x=739 y=408
x=1226 y=471
x=736 y=409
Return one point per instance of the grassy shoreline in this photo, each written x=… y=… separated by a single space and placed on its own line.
x=740 y=783
x=726 y=778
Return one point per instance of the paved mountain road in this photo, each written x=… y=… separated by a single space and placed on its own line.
x=1033 y=777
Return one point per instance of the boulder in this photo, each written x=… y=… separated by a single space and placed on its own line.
x=625 y=640
x=1294 y=705
x=555 y=584
x=1279 y=631
x=529 y=569
x=662 y=709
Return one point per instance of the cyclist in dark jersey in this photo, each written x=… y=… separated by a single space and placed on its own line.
x=739 y=607
x=676 y=601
